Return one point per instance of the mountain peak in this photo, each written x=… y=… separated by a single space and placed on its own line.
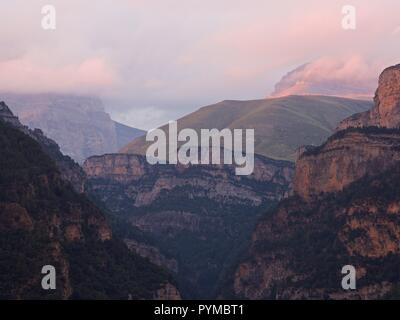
x=386 y=112
x=7 y=116
x=4 y=109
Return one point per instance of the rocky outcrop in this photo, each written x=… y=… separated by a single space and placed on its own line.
x=298 y=251
x=386 y=112
x=345 y=210
x=199 y=216
x=346 y=157
x=365 y=144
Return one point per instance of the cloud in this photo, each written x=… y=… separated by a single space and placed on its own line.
x=23 y=75
x=154 y=52
x=345 y=76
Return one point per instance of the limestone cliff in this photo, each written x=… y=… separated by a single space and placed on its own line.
x=298 y=250
x=365 y=144
x=386 y=112
x=345 y=210
x=346 y=157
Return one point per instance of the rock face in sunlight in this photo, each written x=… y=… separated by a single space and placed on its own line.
x=386 y=112
x=346 y=157
x=79 y=124
x=366 y=144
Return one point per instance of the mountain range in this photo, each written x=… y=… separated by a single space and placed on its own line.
x=281 y=125
x=119 y=228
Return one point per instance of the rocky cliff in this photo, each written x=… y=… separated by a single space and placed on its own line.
x=365 y=144
x=298 y=250
x=345 y=210
x=44 y=221
x=386 y=112
x=346 y=157
x=197 y=217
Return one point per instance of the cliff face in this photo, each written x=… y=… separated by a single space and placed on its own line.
x=197 y=217
x=386 y=112
x=345 y=210
x=216 y=182
x=298 y=250
x=346 y=157
x=352 y=153
x=44 y=221
x=79 y=124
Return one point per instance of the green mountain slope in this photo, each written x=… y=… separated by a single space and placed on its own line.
x=44 y=221
x=281 y=125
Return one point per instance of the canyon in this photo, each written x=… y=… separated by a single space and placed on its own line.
x=193 y=219
x=203 y=232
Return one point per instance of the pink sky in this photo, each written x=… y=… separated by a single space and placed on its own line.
x=155 y=60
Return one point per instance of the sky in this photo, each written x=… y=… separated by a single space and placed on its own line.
x=155 y=60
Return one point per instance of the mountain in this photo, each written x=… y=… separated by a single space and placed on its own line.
x=79 y=124
x=125 y=135
x=371 y=137
x=351 y=78
x=386 y=112
x=193 y=219
x=281 y=125
x=44 y=221
x=345 y=211
x=69 y=169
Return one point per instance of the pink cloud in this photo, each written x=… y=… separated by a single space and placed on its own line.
x=350 y=76
x=25 y=75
